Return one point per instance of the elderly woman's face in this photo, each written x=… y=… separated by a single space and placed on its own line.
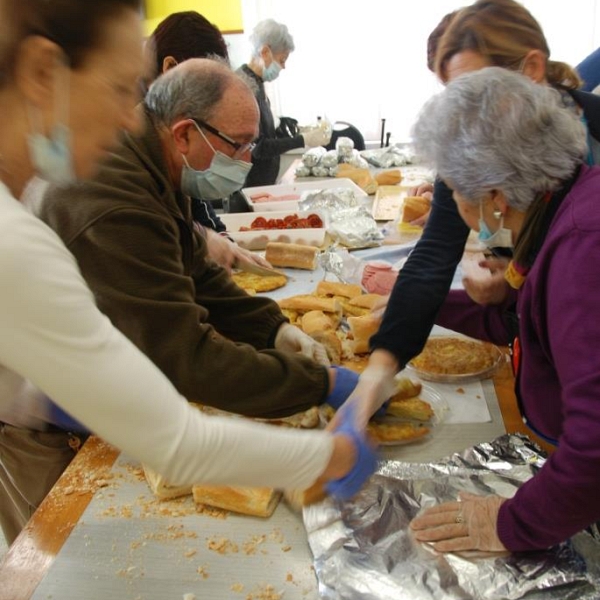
x=104 y=92
x=469 y=212
x=465 y=62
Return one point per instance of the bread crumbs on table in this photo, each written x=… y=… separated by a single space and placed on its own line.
x=460 y=390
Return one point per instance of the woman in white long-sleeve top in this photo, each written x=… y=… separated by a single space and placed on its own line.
x=68 y=80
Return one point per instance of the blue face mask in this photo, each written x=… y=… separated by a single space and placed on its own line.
x=52 y=156
x=502 y=238
x=224 y=176
x=271 y=72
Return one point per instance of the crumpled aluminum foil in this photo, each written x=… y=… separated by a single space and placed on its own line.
x=363 y=550
x=392 y=156
x=340 y=263
x=329 y=199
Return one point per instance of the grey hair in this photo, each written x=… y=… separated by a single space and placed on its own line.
x=495 y=129
x=186 y=92
x=273 y=34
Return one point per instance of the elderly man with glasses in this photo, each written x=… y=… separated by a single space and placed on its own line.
x=132 y=233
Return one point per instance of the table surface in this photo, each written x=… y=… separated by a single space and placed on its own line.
x=89 y=479
x=99 y=533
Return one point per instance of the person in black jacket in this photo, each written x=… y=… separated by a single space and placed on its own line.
x=487 y=33
x=271 y=46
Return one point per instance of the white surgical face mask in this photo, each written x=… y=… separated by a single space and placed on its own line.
x=224 y=176
x=52 y=156
x=502 y=238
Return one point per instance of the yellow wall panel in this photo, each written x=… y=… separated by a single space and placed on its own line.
x=225 y=14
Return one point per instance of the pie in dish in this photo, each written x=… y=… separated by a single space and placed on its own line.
x=455 y=356
x=253 y=283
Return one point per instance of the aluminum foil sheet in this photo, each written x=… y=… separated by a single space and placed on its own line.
x=328 y=199
x=392 y=156
x=363 y=550
x=354 y=227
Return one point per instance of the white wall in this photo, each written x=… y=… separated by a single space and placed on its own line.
x=360 y=62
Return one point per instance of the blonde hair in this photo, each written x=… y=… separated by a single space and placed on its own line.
x=503 y=31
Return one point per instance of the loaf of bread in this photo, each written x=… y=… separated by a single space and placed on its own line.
x=334 y=288
x=366 y=300
x=163 y=489
x=315 y=321
x=296 y=256
x=259 y=502
x=299 y=498
x=307 y=302
x=414 y=207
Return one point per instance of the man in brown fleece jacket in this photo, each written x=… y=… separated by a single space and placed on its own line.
x=131 y=231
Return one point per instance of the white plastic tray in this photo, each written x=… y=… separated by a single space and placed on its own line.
x=297 y=189
x=258 y=239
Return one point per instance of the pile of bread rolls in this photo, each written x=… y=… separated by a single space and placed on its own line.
x=338 y=315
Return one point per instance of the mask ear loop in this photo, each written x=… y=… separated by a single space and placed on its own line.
x=35 y=117
x=202 y=134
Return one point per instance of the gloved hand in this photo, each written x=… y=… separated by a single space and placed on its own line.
x=373 y=388
x=227 y=253
x=316 y=137
x=458 y=526
x=292 y=339
x=345 y=382
x=366 y=461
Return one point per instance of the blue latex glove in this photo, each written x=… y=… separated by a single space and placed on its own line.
x=57 y=416
x=345 y=382
x=366 y=460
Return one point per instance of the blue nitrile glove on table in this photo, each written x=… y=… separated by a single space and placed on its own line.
x=345 y=382
x=366 y=460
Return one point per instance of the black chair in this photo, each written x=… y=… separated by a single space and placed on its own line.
x=343 y=129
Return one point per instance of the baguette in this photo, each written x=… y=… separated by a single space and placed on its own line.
x=259 y=502
x=299 y=498
x=366 y=300
x=333 y=288
x=296 y=256
x=411 y=408
x=163 y=489
x=307 y=302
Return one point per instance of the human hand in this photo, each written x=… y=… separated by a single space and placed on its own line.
x=372 y=388
x=343 y=385
x=316 y=137
x=227 y=253
x=491 y=289
x=349 y=485
x=292 y=339
x=425 y=190
x=469 y=524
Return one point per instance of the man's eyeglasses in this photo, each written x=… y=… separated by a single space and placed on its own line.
x=240 y=149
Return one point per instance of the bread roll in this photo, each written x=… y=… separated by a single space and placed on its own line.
x=362 y=329
x=259 y=502
x=315 y=321
x=366 y=300
x=414 y=207
x=391 y=177
x=334 y=288
x=296 y=256
x=332 y=344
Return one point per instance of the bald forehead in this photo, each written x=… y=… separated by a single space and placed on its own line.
x=237 y=113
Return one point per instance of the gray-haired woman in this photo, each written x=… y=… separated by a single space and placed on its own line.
x=514 y=157
x=272 y=45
